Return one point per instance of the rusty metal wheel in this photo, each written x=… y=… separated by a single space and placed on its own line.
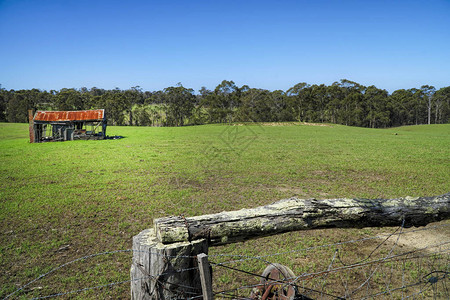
x=275 y=284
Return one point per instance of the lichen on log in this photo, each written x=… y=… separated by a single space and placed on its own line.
x=300 y=214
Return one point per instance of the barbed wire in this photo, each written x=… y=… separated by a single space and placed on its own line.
x=87 y=289
x=305 y=276
x=91 y=256
x=262 y=258
x=308 y=275
x=62 y=266
x=248 y=257
x=390 y=252
x=121 y=282
x=407 y=286
x=130 y=250
x=289 y=282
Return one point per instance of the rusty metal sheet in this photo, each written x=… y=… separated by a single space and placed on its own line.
x=64 y=116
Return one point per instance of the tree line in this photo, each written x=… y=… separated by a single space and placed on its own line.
x=343 y=102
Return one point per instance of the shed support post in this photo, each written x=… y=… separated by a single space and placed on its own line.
x=31 y=125
x=161 y=271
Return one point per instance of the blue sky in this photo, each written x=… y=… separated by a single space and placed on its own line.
x=266 y=44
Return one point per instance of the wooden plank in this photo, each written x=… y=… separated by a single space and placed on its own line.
x=302 y=214
x=205 y=276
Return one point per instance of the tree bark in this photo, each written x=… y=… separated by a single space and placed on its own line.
x=303 y=214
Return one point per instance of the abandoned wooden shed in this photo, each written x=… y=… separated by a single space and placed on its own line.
x=47 y=126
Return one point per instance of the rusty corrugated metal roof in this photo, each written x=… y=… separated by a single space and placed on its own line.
x=64 y=116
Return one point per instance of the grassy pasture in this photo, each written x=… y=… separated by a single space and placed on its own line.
x=62 y=201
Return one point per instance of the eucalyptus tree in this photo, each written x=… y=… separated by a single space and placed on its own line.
x=334 y=106
x=134 y=96
x=343 y=102
x=158 y=107
x=441 y=100
x=352 y=107
x=226 y=99
x=321 y=98
x=427 y=94
x=4 y=95
x=255 y=106
x=376 y=100
x=180 y=104
x=69 y=99
x=95 y=91
x=19 y=102
x=419 y=106
x=401 y=105
x=281 y=110
x=203 y=92
x=297 y=94
x=141 y=116
x=115 y=103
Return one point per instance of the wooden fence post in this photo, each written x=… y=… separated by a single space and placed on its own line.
x=165 y=271
x=205 y=276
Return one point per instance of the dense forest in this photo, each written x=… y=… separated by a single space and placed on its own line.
x=344 y=102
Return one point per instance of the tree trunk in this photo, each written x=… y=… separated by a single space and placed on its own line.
x=302 y=214
x=429 y=110
x=130 y=114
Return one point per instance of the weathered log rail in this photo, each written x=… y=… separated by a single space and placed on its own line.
x=300 y=214
x=174 y=242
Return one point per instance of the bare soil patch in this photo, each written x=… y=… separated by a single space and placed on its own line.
x=434 y=236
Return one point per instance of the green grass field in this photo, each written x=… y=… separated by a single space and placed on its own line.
x=61 y=201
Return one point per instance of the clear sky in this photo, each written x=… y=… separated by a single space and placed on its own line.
x=49 y=44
